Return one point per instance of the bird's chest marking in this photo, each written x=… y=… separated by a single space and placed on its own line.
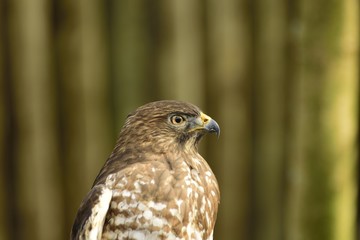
x=200 y=200
x=177 y=202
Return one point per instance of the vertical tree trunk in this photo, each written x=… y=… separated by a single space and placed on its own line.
x=132 y=63
x=180 y=62
x=322 y=183
x=72 y=132
x=83 y=79
x=228 y=97
x=269 y=99
x=39 y=201
x=5 y=128
x=95 y=89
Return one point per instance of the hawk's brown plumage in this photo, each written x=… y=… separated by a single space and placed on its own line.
x=154 y=185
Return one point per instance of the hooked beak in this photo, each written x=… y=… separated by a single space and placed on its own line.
x=206 y=123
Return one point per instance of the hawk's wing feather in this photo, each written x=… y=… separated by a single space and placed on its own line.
x=90 y=218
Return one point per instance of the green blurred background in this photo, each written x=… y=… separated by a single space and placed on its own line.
x=280 y=77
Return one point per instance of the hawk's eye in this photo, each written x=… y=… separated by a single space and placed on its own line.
x=177 y=119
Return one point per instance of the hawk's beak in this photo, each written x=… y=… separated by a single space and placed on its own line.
x=208 y=124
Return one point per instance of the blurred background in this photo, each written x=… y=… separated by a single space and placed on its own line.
x=280 y=77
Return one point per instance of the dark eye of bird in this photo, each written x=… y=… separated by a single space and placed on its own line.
x=177 y=120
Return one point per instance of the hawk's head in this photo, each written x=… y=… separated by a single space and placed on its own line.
x=164 y=123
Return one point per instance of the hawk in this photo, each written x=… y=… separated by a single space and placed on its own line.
x=155 y=184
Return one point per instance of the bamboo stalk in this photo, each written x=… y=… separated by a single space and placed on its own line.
x=39 y=202
x=228 y=99
x=269 y=119
x=322 y=190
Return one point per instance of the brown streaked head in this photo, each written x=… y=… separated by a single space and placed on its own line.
x=167 y=121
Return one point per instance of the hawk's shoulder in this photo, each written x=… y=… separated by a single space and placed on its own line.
x=90 y=217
